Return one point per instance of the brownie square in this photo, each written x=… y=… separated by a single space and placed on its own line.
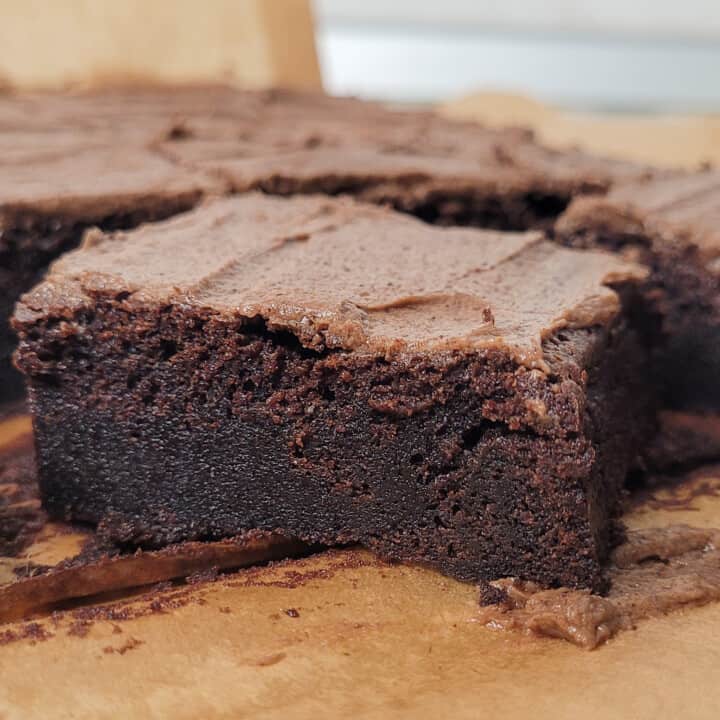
x=465 y=399
x=672 y=225
x=53 y=187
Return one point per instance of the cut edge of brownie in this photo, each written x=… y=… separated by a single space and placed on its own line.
x=434 y=201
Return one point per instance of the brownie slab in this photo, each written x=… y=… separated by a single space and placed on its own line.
x=55 y=185
x=340 y=373
x=672 y=225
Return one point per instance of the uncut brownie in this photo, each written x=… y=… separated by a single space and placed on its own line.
x=672 y=225
x=341 y=373
x=55 y=185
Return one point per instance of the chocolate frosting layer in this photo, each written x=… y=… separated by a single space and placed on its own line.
x=92 y=181
x=283 y=137
x=656 y=571
x=672 y=209
x=339 y=274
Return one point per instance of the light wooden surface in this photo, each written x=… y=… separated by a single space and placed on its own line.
x=254 y=43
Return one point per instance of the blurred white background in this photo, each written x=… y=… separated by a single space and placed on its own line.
x=588 y=54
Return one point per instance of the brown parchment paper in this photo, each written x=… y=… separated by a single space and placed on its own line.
x=344 y=635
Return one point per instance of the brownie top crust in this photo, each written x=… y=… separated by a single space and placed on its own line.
x=677 y=208
x=339 y=274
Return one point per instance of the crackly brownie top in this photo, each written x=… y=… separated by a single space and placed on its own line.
x=680 y=207
x=340 y=274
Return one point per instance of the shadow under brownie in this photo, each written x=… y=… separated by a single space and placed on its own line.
x=340 y=373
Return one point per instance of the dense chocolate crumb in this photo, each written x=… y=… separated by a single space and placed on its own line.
x=491 y=594
x=79 y=628
x=30 y=631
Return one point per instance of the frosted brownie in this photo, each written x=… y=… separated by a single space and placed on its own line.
x=444 y=172
x=341 y=373
x=672 y=225
x=53 y=187
x=289 y=142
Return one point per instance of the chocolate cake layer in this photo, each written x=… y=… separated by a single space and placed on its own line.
x=672 y=225
x=340 y=373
